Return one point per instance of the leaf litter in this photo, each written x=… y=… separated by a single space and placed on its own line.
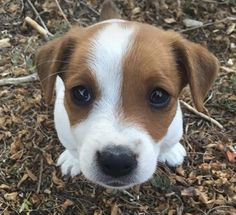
x=204 y=184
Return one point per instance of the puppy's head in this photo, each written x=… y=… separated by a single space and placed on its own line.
x=121 y=82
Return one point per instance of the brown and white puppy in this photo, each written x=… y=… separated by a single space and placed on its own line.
x=117 y=87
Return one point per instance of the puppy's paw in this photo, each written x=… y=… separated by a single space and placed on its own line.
x=175 y=156
x=69 y=164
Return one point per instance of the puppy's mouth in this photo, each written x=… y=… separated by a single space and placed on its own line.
x=116 y=184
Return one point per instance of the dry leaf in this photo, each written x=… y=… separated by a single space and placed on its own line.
x=57 y=181
x=66 y=204
x=11 y=196
x=114 y=209
x=48 y=158
x=4 y=186
x=170 y=20
x=180 y=170
x=190 y=191
x=97 y=213
x=4 y=43
x=231 y=156
x=231 y=28
x=35 y=199
x=136 y=10
x=17 y=155
x=172 y=212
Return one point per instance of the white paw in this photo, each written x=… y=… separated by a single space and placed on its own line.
x=69 y=164
x=174 y=156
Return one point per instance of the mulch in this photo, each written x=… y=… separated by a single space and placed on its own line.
x=30 y=182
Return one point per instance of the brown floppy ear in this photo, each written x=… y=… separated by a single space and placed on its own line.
x=109 y=11
x=198 y=68
x=51 y=60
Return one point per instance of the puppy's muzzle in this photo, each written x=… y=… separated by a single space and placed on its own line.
x=116 y=161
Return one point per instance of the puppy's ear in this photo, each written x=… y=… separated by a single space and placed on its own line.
x=109 y=11
x=51 y=60
x=198 y=68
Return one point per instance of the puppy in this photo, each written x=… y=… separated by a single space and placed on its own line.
x=117 y=87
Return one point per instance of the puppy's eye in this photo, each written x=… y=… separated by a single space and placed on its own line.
x=81 y=95
x=159 y=98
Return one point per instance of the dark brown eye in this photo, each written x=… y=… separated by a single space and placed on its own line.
x=81 y=95
x=158 y=98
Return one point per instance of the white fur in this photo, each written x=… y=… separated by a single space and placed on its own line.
x=104 y=126
x=172 y=151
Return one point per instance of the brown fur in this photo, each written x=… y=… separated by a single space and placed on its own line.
x=153 y=65
x=66 y=57
x=109 y=11
x=157 y=59
x=166 y=60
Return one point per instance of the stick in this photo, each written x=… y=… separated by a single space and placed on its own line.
x=62 y=13
x=207 y=24
x=228 y=70
x=90 y=8
x=19 y=80
x=37 y=27
x=37 y=14
x=40 y=176
x=204 y=116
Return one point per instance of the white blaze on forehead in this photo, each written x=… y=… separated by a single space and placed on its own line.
x=107 y=51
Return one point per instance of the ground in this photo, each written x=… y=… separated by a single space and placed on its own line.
x=30 y=182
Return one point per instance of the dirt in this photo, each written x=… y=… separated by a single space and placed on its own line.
x=30 y=182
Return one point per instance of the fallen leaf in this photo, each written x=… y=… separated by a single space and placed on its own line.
x=36 y=199
x=180 y=170
x=57 y=181
x=48 y=158
x=17 y=155
x=5 y=43
x=11 y=196
x=231 y=156
x=171 y=212
x=136 y=10
x=192 y=23
x=4 y=186
x=66 y=204
x=190 y=191
x=231 y=28
x=16 y=146
x=97 y=212
x=114 y=209
x=170 y=20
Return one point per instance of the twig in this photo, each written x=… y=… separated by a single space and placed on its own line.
x=40 y=175
x=90 y=8
x=207 y=24
x=228 y=70
x=37 y=14
x=62 y=13
x=39 y=28
x=204 y=116
x=19 y=80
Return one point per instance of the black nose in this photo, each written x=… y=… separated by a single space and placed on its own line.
x=116 y=161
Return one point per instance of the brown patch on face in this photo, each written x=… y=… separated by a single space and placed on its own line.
x=149 y=64
x=78 y=73
x=67 y=57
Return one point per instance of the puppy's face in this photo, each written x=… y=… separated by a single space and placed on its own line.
x=121 y=82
